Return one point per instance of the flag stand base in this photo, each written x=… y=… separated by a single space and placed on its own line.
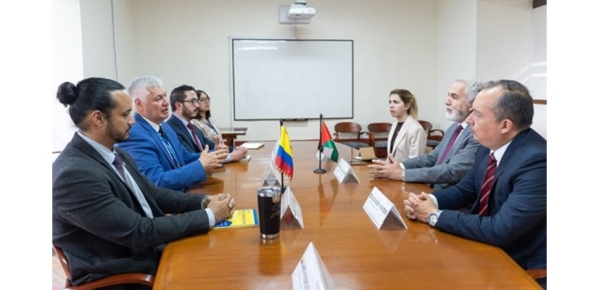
x=320 y=171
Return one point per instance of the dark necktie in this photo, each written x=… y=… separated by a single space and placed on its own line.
x=118 y=163
x=398 y=127
x=450 y=144
x=486 y=188
x=165 y=141
x=195 y=137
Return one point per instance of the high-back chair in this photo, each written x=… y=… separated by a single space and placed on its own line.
x=378 y=135
x=119 y=279
x=349 y=133
x=434 y=136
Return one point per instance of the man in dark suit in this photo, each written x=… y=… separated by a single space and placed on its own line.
x=106 y=216
x=185 y=104
x=507 y=185
x=154 y=145
x=450 y=161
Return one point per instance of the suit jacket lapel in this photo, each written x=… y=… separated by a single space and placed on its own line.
x=462 y=139
x=174 y=140
x=142 y=185
x=182 y=128
x=512 y=148
x=86 y=148
x=156 y=138
x=402 y=133
x=200 y=136
x=510 y=151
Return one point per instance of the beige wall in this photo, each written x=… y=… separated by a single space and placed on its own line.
x=420 y=45
x=510 y=46
x=67 y=60
x=457 y=27
x=198 y=54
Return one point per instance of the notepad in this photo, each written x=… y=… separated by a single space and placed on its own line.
x=240 y=218
x=367 y=153
x=253 y=145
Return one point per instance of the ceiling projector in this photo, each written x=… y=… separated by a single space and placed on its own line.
x=297 y=13
x=300 y=11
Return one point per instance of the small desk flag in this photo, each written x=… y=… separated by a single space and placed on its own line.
x=283 y=160
x=327 y=145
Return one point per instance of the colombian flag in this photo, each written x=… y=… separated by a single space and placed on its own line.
x=284 y=161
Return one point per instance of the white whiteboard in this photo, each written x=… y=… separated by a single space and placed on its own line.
x=292 y=79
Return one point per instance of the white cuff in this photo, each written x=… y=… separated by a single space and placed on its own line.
x=434 y=199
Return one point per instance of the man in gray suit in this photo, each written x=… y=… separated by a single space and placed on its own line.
x=106 y=216
x=450 y=161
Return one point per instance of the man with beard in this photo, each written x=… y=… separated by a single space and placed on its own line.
x=450 y=161
x=185 y=103
x=154 y=145
x=106 y=216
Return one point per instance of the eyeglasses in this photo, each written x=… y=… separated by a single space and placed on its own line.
x=193 y=101
x=204 y=100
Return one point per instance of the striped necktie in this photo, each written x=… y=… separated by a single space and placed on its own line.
x=165 y=141
x=486 y=188
x=195 y=137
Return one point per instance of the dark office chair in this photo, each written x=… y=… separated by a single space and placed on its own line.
x=434 y=136
x=378 y=135
x=352 y=132
x=120 y=279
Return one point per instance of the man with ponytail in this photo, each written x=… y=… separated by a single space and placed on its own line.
x=106 y=216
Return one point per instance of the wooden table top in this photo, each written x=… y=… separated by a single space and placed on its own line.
x=356 y=254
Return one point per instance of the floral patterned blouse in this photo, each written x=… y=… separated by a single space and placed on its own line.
x=209 y=129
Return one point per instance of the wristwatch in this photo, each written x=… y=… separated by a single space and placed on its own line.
x=433 y=217
x=205 y=202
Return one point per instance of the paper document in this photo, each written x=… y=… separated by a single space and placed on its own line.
x=253 y=145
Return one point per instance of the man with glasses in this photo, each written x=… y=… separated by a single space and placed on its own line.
x=154 y=145
x=185 y=105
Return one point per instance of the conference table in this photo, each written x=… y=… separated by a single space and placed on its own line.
x=356 y=254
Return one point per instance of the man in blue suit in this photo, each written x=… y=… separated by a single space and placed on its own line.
x=185 y=106
x=154 y=145
x=507 y=185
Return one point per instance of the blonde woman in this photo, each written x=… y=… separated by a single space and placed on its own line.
x=407 y=138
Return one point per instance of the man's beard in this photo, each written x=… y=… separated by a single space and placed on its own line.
x=189 y=114
x=455 y=116
x=115 y=134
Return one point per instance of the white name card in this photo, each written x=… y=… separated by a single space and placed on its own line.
x=311 y=273
x=379 y=207
x=271 y=176
x=290 y=208
x=344 y=172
